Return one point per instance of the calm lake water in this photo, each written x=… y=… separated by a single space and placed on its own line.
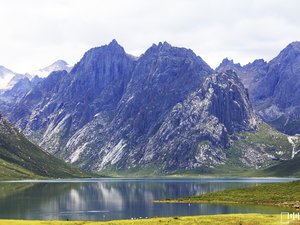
x=109 y=199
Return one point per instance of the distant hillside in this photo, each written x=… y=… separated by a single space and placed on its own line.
x=20 y=158
x=289 y=168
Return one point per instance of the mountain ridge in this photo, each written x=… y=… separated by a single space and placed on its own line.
x=163 y=112
x=273 y=88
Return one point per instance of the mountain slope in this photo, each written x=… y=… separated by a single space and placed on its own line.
x=164 y=112
x=53 y=111
x=286 y=168
x=278 y=93
x=20 y=158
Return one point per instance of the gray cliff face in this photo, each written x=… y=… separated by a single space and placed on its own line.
x=250 y=74
x=165 y=111
x=64 y=102
x=196 y=132
x=278 y=93
x=162 y=77
x=274 y=87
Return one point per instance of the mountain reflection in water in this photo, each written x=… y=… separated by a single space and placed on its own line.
x=107 y=199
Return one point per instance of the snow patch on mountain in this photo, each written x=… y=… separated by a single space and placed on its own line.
x=56 y=66
x=5 y=77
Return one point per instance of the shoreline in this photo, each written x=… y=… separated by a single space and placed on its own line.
x=286 y=194
x=220 y=219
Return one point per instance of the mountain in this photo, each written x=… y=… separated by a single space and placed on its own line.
x=6 y=76
x=56 y=66
x=250 y=74
x=277 y=98
x=164 y=112
x=64 y=102
x=274 y=87
x=19 y=86
x=20 y=158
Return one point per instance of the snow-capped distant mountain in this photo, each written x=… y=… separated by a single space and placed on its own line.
x=16 y=79
x=5 y=77
x=56 y=66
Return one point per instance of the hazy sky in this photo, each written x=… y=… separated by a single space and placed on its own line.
x=35 y=33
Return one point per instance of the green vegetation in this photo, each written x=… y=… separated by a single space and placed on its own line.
x=290 y=168
x=279 y=194
x=21 y=159
x=7 y=189
x=266 y=140
x=231 y=219
x=10 y=171
x=147 y=171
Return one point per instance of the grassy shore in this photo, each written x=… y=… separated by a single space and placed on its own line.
x=279 y=194
x=230 y=219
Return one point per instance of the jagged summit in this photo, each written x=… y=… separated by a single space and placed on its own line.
x=256 y=63
x=227 y=64
x=164 y=44
x=114 y=43
x=104 y=52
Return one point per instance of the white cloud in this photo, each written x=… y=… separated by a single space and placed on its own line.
x=35 y=33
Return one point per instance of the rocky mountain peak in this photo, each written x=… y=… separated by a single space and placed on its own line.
x=256 y=63
x=101 y=55
x=165 y=48
x=164 y=45
x=230 y=101
x=288 y=54
x=114 y=44
x=227 y=64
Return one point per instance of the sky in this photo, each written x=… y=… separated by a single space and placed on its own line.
x=35 y=33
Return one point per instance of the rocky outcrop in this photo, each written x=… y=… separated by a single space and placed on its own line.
x=250 y=74
x=195 y=133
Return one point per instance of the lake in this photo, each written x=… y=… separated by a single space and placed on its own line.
x=109 y=199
